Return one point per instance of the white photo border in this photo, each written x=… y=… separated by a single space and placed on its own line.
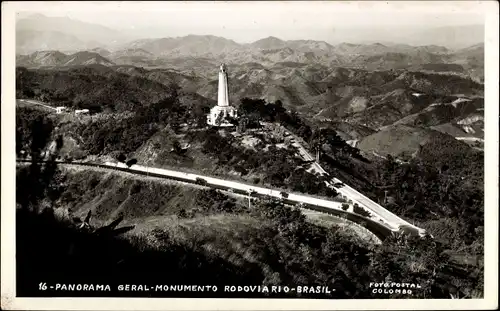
x=8 y=282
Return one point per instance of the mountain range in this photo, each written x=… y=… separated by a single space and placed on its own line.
x=57 y=59
x=202 y=52
x=452 y=37
x=39 y=33
x=81 y=35
x=363 y=89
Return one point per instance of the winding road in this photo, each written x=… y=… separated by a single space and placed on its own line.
x=34 y=102
x=378 y=212
x=303 y=201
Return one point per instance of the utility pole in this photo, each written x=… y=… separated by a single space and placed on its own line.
x=249 y=200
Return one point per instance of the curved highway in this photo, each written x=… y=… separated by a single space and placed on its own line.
x=380 y=213
x=381 y=230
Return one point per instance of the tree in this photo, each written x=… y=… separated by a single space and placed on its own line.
x=182 y=213
x=232 y=120
x=176 y=146
x=201 y=181
x=135 y=188
x=304 y=132
x=38 y=181
x=359 y=210
x=131 y=162
x=174 y=88
x=242 y=124
x=121 y=158
x=240 y=169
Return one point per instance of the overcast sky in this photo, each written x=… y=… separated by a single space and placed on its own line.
x=250 y=21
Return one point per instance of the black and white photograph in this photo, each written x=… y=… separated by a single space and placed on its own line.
x=292 y=154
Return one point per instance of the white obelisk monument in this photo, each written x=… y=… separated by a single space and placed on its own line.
x=223 y=98
x=219 y=114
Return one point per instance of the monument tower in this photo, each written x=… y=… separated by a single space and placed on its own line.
x=223 y=98
x=219 y=114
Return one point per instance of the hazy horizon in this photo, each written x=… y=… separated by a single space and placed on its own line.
x=245 y=23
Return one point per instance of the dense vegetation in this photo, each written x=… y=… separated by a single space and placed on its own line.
x=294 y=251
x=127 y=134
x=441 y=188
x=339 y=158
x=279 y=166
x=286 y=250
x=27 y=121
x=94 y=87
x=317 y=137
x=444 y=189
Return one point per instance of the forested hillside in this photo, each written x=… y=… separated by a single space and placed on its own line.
x=268 y=245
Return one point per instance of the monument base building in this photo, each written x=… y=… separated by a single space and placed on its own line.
x=220 y=114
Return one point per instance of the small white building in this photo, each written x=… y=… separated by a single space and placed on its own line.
x=352 y=143
x=82 y=111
